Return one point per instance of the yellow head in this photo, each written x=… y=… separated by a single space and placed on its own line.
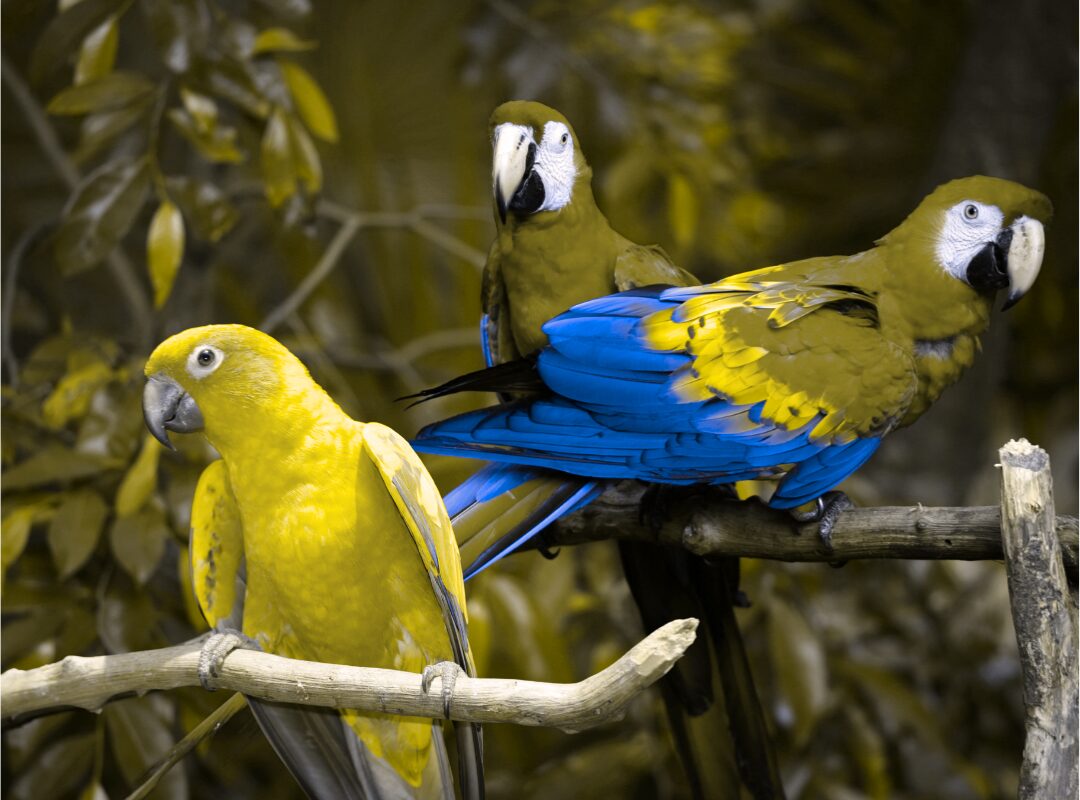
x=230 y=381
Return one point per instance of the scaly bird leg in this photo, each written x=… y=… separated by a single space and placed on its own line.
x=447 y=672
x=829 y=508
x=216 y=649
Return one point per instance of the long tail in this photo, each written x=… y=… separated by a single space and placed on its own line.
x=712 y=706
x=502 y=506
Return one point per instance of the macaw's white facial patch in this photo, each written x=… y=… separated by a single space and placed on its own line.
x=555 y=165
x=967 y=228
x=204 y=359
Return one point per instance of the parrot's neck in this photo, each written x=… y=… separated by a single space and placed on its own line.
x=270 y=437
x=553 y=260
x=932 y=315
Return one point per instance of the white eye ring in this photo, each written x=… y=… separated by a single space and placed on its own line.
x=971 y=212
x=564 y=138
x=203 y=360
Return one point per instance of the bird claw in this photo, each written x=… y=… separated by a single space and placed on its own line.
x=216 y=649
x=829 y=508
x=447 y=672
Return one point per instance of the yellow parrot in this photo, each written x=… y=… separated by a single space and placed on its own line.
x=321 y=538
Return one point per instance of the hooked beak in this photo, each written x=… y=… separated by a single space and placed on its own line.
x=1024 y=258
x=516 y=184
x=167 y=407
x=1012 y=260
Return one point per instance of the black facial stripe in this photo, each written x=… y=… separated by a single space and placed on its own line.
x=988 y=270
x=530 y=194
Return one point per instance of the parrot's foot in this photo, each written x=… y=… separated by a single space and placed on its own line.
x=216 y=649
x=447 y=672
x=546 y=547
x=662 y=501
x=829 y=508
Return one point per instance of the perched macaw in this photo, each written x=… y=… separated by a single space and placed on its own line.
x=554 y=248
x=320 y=538
x=786 y=377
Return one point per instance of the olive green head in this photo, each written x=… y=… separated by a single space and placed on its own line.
x=987 y=232
x=537 y=159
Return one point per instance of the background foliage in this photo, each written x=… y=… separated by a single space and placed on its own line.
x=324 y=172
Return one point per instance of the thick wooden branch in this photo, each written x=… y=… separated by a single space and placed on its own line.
x=89 y=683
x=708 y=524
x=1045 y=619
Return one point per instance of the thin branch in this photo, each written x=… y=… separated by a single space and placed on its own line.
x=711 y=526
x=88 y=683
x=317 y=275
x=119 y=264
x=208 y=727
x=1045 y=621
x=28 y=239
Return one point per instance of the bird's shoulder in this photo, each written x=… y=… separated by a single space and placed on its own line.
x=639 y=265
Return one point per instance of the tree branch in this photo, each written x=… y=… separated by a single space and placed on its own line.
x=709 y=525
x=89 y=683
x=118 y=263
x=1044 y=616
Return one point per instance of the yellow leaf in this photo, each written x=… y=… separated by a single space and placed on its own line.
x=71 y=397
x=279 y=173
x=682 y=209
x=140 y=479
x=305 y=157
x=164 y=250
x=14 y=532
x=311 y=103
x=279 y=39
x=202 y=109
x=98 y=52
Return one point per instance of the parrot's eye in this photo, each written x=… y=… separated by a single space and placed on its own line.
x=971 y=211
x=565 y=138
x=203 y=360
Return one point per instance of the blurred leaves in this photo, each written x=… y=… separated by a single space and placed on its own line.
x=311 y=103
x=138 y=541
x=101 y=211
x=115 y=90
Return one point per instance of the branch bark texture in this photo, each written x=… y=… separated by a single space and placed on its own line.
x=1045 y=617
x=89 y=683
x=712 y=526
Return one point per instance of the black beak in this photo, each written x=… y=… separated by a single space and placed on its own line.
x=530 y=192
x=988 y=271
x=167 y=407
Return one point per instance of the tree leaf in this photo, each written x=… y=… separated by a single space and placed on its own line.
x=75 y=530
x=140 y=734
x=127 y=619
x=164 y=250
x=207 y=209
x=70 y=399
x=59 y=770
x=140 y=479
x=231 y=79
x=278 y=168
x=179 y=30
x=138 y=542
x=203 y=109
x=305 y=157
x=98 y=52
x=64 y=34
x=98 y=130
x=311 y=103
x=101 y=211
x=282 y=40
x=114 y=90
x=15 y=530
x=54 y=464
x=798 y=660
x=216 y=143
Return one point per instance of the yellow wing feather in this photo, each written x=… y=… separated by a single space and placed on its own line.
x=217 y=549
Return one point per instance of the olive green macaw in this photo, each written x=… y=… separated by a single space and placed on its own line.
x=319 y=538
x=782 y=379
x=554 y=248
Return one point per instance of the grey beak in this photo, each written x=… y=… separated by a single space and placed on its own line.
x=167 y=407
